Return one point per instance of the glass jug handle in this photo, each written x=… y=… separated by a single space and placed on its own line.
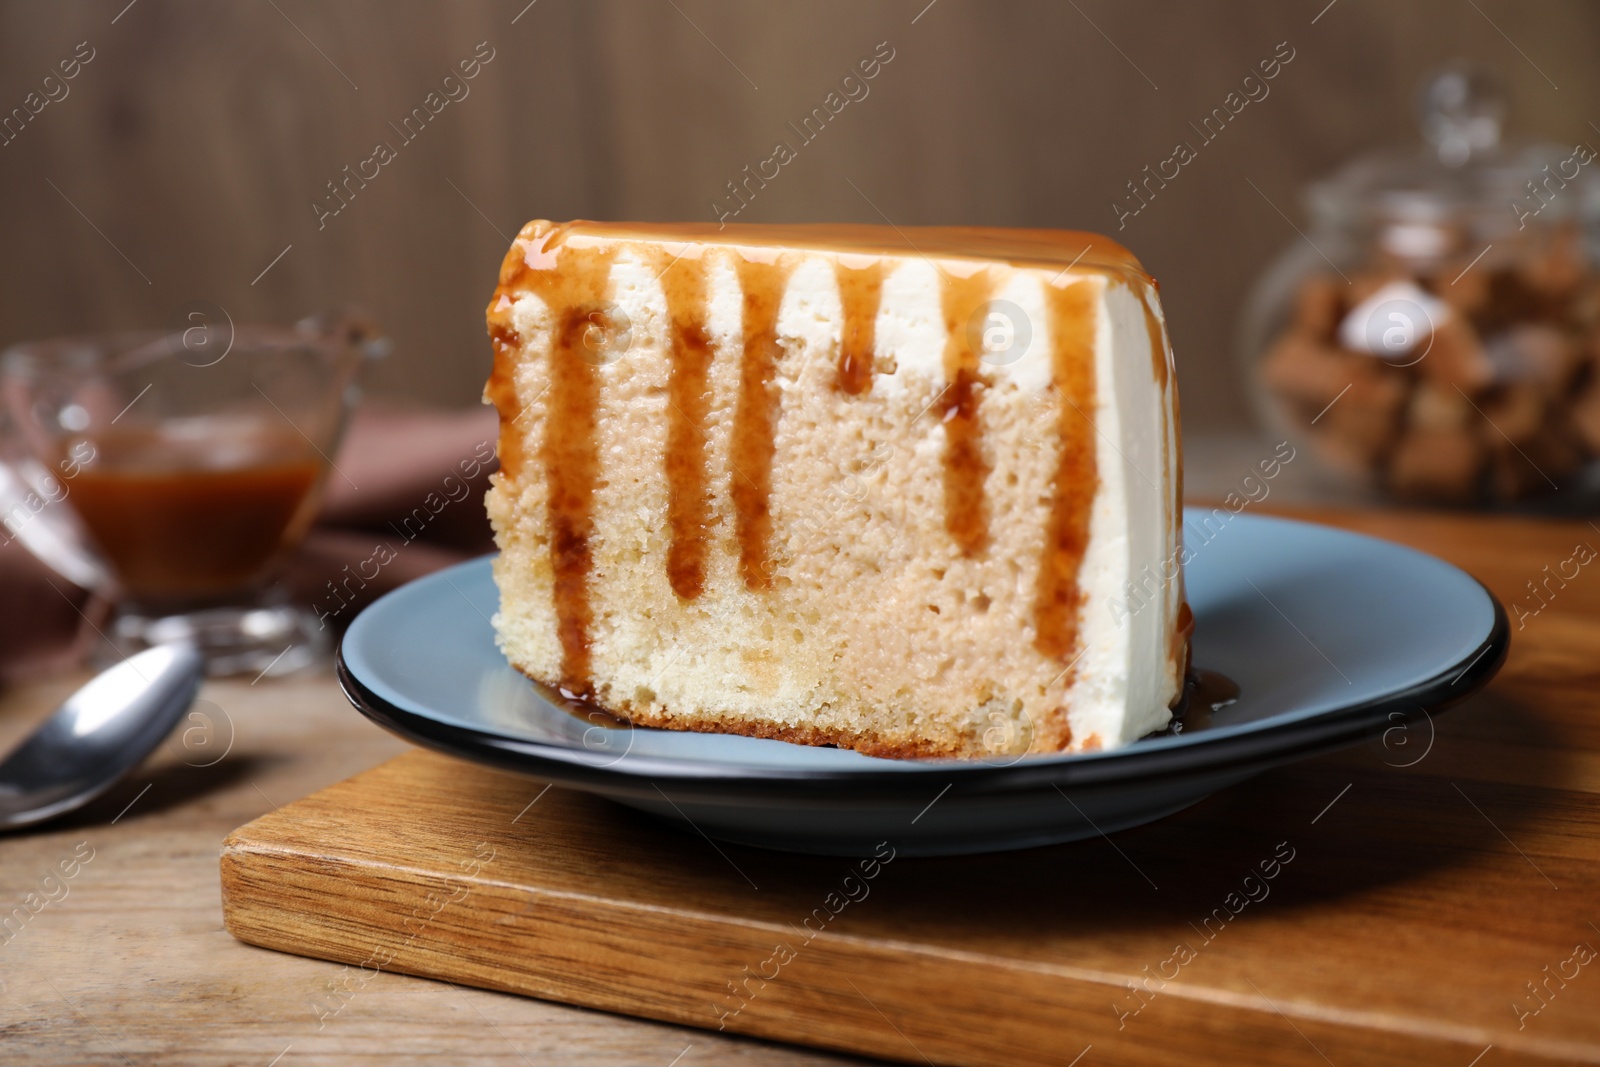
x=34 y=512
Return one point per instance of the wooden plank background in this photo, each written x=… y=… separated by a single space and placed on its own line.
x=185 y=155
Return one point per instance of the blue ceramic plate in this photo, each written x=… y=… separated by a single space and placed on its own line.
x=1332 y=637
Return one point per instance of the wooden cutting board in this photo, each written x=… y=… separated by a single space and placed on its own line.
x=1341 y=910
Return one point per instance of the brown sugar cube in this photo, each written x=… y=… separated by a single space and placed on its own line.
x=1535 y=354
x=1537 y=467
x=1511 y=300
x=1465 y=288
x=1436 y=409
x=1369 y=281
x=1454 y=357
x=1556 y=449
x=1318 y=306
x=1584 y=309
x=1302 y=369
x=1585 y=416
x=1442 y=465
x=1513 y=478
x=1530 y=441
x=1557 y=268
x=1358 y=430
x=1512 y=412
x=1344 y=455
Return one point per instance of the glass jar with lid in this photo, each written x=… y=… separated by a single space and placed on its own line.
x=1436 y=335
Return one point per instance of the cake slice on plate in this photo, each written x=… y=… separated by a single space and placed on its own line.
x=911 y=492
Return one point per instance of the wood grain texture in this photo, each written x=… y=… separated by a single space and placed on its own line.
x=1432 y=890
x=196 y=140
x=132 y=964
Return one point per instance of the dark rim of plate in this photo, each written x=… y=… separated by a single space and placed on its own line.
x=1254 y=747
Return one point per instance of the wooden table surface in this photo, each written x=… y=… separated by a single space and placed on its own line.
x=126 y=960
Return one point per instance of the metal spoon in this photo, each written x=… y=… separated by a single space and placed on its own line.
x=98 y=734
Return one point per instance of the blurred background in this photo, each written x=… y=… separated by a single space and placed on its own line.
x=185 y=159
x=266 y=160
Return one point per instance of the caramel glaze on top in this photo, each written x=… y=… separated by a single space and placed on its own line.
x=568 y=267
x=1020 y=248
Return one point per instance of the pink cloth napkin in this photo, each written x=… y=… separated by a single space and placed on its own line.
x=407 y=487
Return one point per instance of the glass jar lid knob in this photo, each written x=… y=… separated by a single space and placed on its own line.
x=1460 y=110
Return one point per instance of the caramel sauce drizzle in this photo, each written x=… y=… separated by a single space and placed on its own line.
x=965 y=510
x=575 y=286
x=860 y=293
x=502 y=393
x=688 y=408
x=1058 y=598
x=1181 y=647
x=755 y=420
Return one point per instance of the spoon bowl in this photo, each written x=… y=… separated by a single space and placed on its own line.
x=98 y=734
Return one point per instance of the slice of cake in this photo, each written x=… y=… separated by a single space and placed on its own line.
x=912 y=492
